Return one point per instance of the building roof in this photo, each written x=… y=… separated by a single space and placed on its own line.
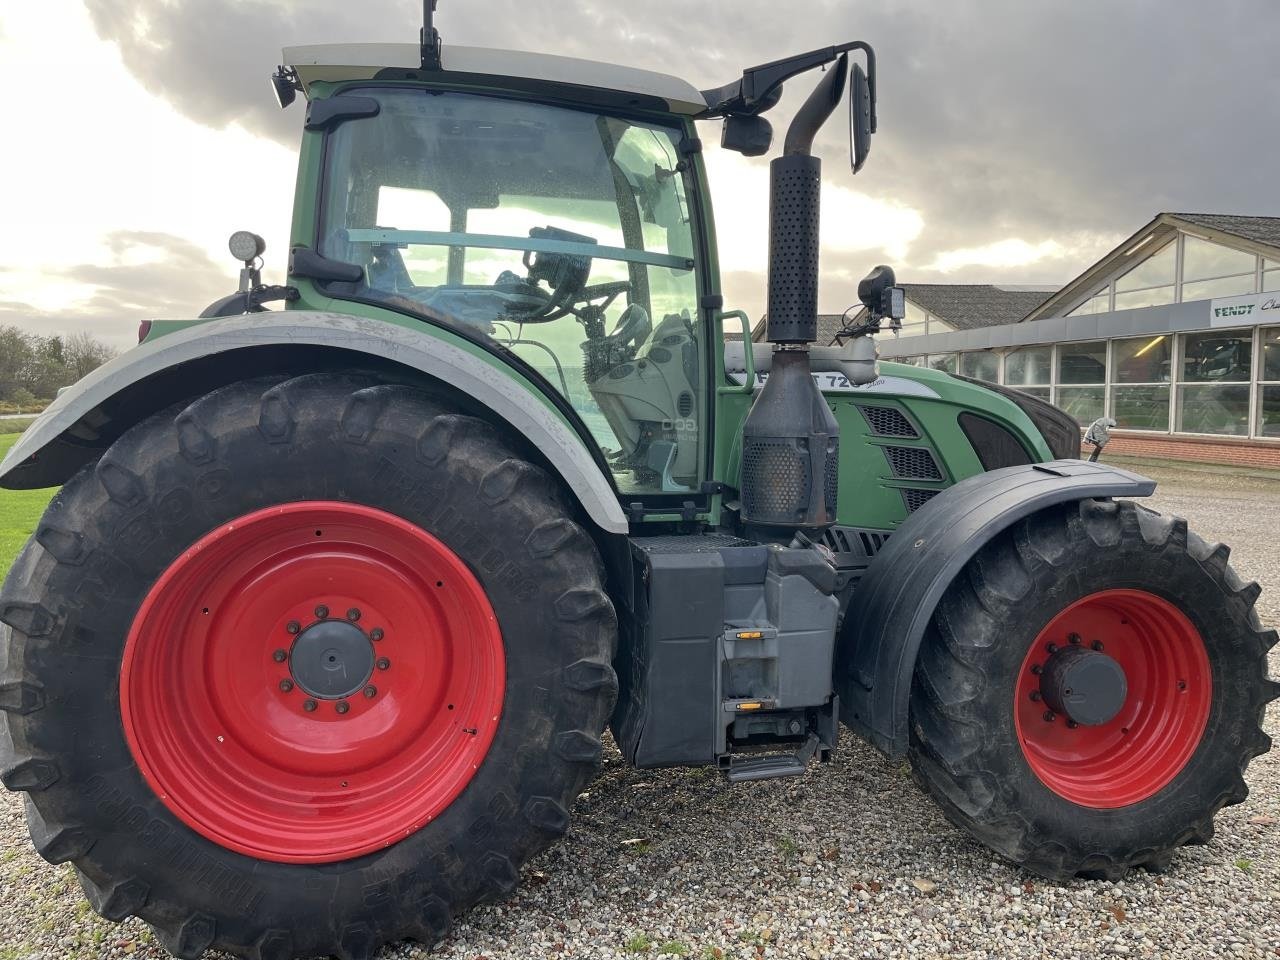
x=1258 y=229
x=1254 y=234
x=364 y=61
x=967 y=306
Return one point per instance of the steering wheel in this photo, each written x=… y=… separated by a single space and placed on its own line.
x=632 y=329
x=581 y=304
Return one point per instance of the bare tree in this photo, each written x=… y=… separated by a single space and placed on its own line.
x=83 y=353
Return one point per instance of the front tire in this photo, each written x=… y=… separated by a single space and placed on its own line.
x=1159 y=634
x=240 y=800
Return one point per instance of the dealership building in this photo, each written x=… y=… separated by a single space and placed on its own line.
x=1175 y=334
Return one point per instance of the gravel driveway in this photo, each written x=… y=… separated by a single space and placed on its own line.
x=850 y=861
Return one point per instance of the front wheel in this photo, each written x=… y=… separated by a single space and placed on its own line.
x=1090 y=691
x=304 y=668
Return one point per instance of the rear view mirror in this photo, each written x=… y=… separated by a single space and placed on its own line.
x=860 y=125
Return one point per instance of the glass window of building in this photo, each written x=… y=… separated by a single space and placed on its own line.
x=915 y=323
x=945 y=362
x=1269 y=387
x=982 y=365
x=1028 y=367
x=1202 y=260
x=1100 y=302
x=1221 y=287
x=1270 y=275
x=1082 y=377
x=1213 y=394
x=1140 y=373
x=1217 y=357
x=1149 y=283
x=1211 y=270
x=1082 y=362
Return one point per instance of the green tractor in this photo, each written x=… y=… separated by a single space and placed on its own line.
x=318 y=642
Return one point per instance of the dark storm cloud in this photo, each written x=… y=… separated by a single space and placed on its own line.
x=147 y=276
x=1073 y=122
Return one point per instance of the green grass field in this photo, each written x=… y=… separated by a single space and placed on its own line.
x=19 y=513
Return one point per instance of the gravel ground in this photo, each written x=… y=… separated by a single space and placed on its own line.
x=850 y=861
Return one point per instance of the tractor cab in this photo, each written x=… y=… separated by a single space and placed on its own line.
x=571 y=236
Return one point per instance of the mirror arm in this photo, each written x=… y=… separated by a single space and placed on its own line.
x=758 y=89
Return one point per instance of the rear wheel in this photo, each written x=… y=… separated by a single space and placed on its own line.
x=1091 y=690
x=304 y=668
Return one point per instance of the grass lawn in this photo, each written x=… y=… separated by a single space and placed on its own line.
x=19 y=513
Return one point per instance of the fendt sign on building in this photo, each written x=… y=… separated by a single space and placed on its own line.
x=1252 y=308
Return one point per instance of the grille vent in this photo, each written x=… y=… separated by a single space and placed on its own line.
x=912 y=463
x=888 y=422
x=915 y=499
x=852 y=540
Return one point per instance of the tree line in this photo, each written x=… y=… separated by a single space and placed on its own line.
x=33 y=368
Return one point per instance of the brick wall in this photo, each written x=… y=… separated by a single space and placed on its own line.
x=1239 y=453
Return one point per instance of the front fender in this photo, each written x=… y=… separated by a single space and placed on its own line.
x=895 y=600
x=69 y=433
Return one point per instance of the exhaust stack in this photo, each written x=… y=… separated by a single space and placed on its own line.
x=791 y=440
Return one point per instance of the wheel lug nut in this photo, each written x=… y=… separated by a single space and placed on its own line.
x=353 y=614
x=1037 y=669
x=286 y=686
x=1074 y=639
x=342 y=706
x=376 y=634
x=370 y=691
x=1097 y=645
x=280 y=656
x=1052 y=648
x=294 y=627
x=322 y=612
x=1035 y=695
x=309 y=706
x=1071 y=724
x=1049 y=716
x=383 y=663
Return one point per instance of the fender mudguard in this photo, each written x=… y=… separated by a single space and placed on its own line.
x=895 y=600
x=72 y=431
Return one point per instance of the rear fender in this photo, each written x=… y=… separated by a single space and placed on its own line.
x=896 y=598
x=79 y=425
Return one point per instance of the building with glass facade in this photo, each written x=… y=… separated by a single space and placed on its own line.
x=1175 y=334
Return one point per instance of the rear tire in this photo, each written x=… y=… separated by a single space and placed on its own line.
x=109 y=538
x=1095 y=798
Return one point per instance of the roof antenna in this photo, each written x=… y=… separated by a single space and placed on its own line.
x=430 y=37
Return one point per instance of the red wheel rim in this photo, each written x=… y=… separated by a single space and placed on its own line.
x=1140 y=750
x=261 y=754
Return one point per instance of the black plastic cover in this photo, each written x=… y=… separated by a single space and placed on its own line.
x=329 y=112
x=995 y=444
x=1060 y=431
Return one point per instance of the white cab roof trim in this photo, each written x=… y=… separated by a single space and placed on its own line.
x=362 y=61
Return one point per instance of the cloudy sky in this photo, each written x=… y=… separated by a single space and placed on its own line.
x=1019 y=139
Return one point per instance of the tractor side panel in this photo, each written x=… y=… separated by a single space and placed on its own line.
x=900 y=588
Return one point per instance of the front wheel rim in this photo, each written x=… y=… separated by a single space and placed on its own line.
x=1158 y=725
x=312 y=682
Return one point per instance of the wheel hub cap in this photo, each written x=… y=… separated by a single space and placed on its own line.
x=1085 y=686
x=1113 y=698
x=332 y=660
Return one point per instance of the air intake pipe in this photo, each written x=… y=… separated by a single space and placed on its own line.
x=791 y=440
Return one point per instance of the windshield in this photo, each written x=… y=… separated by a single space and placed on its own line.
x=561 y=234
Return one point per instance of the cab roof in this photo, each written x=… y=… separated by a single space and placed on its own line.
x=584 y=80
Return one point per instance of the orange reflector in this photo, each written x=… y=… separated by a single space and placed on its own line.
x=749 y=706
x=751 y=635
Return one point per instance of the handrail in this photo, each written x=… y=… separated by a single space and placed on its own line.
x=487 y=241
